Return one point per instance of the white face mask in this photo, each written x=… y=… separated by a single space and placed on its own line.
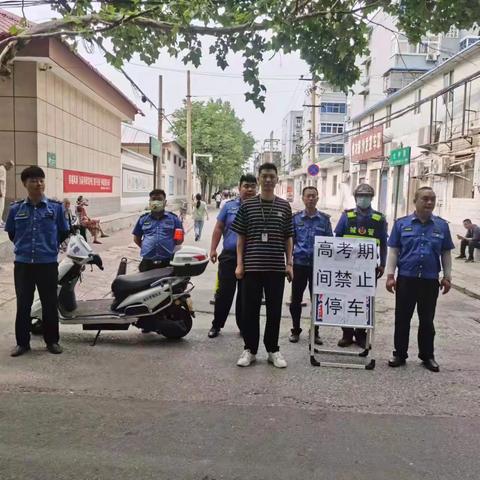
x=157 y=205
x=363 y=202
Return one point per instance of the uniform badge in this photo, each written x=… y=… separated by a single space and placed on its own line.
x=362 y=230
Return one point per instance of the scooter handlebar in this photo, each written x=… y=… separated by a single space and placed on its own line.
x=96 y=260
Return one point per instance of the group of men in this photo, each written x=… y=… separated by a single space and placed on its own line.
x=263 y=244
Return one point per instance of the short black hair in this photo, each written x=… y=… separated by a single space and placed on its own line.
x=267 y=166
x=467 y=220
x=31 y=172
x=311 y=187
x=247 y=178
x=421 y=189
x=157 y=191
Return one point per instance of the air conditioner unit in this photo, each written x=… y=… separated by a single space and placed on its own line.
x=440 y=165
x=431 y=57
x=428 y=135
x=418 y=169
x=345 y=177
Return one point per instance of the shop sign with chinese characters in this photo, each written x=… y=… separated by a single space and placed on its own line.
x=75 y=181
x=367 y=145
x=344 y=281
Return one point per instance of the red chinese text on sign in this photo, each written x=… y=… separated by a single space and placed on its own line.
x=367 y=145
x=74 y=181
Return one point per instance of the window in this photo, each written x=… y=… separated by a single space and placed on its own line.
x=447 y=81
x=334 y=185
x=463 y=178
x=418 y=97
x=298 y=122
x=175 y=159
x=330 y=148
x=388 y=119
x=328 y=127
x=329 y=107
x=171 y=185
x=373 y=181
x=452 y=33
x=353 y=183
x=401 y=46
x=168 y=155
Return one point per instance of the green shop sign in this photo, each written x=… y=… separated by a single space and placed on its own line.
x=399 y=157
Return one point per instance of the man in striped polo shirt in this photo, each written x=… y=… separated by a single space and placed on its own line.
x=265 y=239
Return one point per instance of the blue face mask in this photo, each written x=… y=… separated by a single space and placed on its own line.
x=363 y=202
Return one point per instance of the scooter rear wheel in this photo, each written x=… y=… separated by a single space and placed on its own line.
x=176 y=322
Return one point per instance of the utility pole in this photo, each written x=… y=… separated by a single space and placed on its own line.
x=160 y=131
x=189 y=145
x=313 y=118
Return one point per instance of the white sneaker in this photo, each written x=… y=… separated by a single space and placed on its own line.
x=277 y=359
x=246 y=358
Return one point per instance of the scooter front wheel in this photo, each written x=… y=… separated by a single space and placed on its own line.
x=36 y=326
x=176 y=322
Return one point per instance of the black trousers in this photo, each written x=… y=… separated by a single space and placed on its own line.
x=302 y=275
x=44 y=276
x=472 y=245
x=147 y=264
x=225 y=291
x=253 y=286
x=423 y=294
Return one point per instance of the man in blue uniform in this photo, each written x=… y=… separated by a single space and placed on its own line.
x=227 y=261
x=306 y=225
x=157 y=233
x=36 y=226
x=363 y=222
x=420 y=245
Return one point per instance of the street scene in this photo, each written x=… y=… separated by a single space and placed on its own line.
x=239 y=240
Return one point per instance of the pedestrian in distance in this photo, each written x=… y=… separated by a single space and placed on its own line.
x=199 y=214
x=420 y=245
x=37 y=226
x=157 y=233
x=307 y=224
x=264 y=228
x=470 y=240
x=363 y=222
x=227 y=282
x=91 y=224
x=4 y=167
x=218 y=199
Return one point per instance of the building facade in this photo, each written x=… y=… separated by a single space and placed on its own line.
x=292 y=128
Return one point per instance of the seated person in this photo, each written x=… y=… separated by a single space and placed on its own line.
x=157 y=233
x=91 y=224
x=471 y=239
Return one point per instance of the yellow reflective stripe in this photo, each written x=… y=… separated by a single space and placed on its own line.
x=364 y=237
x=217 y=284
x=351 y=214
x=376 y=216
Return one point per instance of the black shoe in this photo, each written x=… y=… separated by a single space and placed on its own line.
x=294 y=337
x=469 y=260
x=19 y=350
x=213 y=332
x=459 y=257
x=396 y=362
x=431 y=365
x=318 y=340
x=54 y=348
x=345 y=342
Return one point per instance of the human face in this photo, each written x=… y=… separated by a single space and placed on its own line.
x=267 y=180
x=363 y=201
x=157 y=203
x=467 y=225
x=35 y=186
x=310 y=198
x=66 y=204
x=247 y=190
x=425 y=202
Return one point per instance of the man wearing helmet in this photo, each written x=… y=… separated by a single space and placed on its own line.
x=363 y=222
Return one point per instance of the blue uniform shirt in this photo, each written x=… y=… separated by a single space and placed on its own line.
x=420 y=245
x=342 y=229
x=305 y=228
x=36 y=230
x=227 y=215
x=157 y=235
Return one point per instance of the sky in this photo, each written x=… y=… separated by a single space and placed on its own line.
x=285 y=91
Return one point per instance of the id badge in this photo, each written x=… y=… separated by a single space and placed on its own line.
x=264 y=237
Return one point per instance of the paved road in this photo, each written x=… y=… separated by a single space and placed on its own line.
x=138 y=406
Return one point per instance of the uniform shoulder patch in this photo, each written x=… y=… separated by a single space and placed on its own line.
x=324 y=214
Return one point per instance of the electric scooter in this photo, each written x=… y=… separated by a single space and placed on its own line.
x=155 y=301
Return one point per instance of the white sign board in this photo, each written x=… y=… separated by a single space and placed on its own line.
x=344 y=281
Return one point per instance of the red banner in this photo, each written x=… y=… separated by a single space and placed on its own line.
x=74 y=181
x=367 y=145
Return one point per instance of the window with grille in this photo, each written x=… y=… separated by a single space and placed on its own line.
x=331 y=107
x=329 y=127
x=463 y=178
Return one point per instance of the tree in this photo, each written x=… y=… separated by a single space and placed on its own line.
x=329 y=34
x=216 y=130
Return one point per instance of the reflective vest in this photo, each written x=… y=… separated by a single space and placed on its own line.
x=372 y=227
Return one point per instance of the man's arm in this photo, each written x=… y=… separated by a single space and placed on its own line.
x=137 y=240
x=10 y=224
x=240 y=270
x=340 y=228
x=391 y=267
x=216 y=237
x=289 y=255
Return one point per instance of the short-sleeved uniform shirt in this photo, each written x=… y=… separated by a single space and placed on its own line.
x=36 y=230
x=157 y=235
x=227 y=216
x=305 y=229
x=266 y=226
x=420 y=245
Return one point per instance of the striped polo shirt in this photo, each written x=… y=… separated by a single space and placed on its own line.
x=266 y=226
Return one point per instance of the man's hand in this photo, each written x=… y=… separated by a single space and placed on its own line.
x=240 y=272
x=213 y=256
x=460 y=237
x=391 y=283
x=289 y=272
x=379 y=271
x=445 y=285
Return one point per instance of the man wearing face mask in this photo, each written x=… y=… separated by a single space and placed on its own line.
x=157 y=233
x=363 y=222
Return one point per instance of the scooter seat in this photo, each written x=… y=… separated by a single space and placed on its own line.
x=124 y=285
